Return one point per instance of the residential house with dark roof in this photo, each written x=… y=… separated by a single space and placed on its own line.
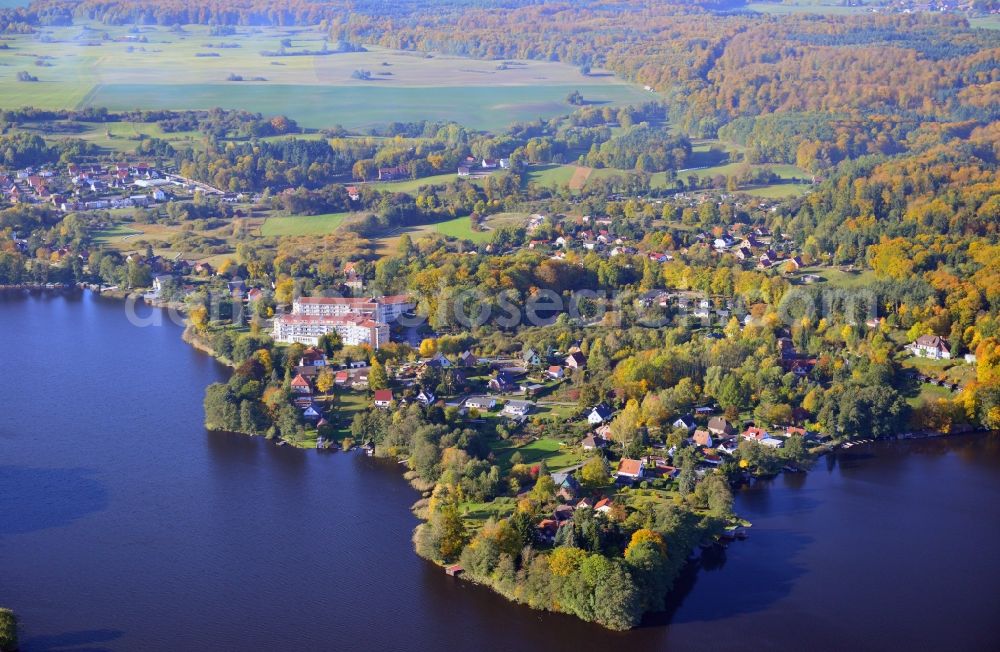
x=504 y=381
x=593 y=442
x=599 y=414
x=720 y=427
x=566 y=484
x=930 y=346
x=686 y=422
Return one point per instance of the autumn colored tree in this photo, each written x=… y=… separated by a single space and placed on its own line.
x=377 y=377
x=594 y=472
x=325 y=380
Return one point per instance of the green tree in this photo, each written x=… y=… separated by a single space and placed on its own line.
x=595 y=472
x=544 y=489
x=451 y=531
x=330 y=343
x=8 y=630
x=685 y=459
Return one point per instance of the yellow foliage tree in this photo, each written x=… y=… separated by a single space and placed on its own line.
x=198 y=317
x=564 y=560
x=428 y=347
x=284 y=290
x=324 y=381
x=645 y=535
x=988 y=361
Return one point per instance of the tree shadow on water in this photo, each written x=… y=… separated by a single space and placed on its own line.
x=82 y=641
x=36 y=499
x=747 y=585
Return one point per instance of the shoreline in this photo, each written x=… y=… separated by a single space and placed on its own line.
x=706 y=535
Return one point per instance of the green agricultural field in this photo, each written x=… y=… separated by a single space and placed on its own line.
x=412 y=185
x=507 y=219
x=116 y=232
x=727 y=169
x=804 y=6
x=302 y=224
x=838 y=278
x=986 y=22
x=461 y=228
x=116 y=136
x=158 y=68
x=550 y=175
x=360 y=106
x=790 y=172
x=554 y=175
x=778 y=190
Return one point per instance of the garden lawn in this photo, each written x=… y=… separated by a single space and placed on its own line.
x=550 y=450
x=461 y=228
x=302 y=224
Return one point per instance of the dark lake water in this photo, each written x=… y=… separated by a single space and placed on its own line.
x=125 y=526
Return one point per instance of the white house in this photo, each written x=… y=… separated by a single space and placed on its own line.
x=383 y=398
x=517 y=408
x=930 y=346
x=159 y=282
x=686 y=422
x=480 y=402
x=599 y=414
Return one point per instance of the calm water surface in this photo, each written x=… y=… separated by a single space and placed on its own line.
x=125 y=526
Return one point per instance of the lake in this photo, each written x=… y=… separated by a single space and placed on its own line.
x=124 y=525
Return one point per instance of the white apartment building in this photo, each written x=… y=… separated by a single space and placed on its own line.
x=354 y=330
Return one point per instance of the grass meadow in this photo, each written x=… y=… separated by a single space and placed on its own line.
x=293 y=225
x=828 y=7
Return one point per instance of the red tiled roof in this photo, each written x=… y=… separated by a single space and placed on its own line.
x=360 y=320
x=629 y=467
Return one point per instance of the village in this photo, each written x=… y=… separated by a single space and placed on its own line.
x=96 y=187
